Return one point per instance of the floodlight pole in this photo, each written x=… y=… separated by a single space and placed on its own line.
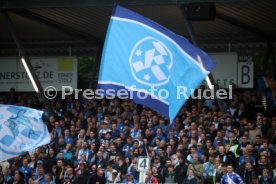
x=195 y=42
x=26 y=61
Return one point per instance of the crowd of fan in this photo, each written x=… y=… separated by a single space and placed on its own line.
x=100 y=141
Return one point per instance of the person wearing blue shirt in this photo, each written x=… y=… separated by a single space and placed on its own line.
x=120 y=124
x=57 y=131
x=229 y=124
x=160 y=135
x=265 y=178
x=48 y=179
x=68 y=139
x=130 y=179
x=134 y=133
x=25 y=170
x=219 y=139
x=171 y=134
x=243 y=157
x=99 y=114
x=162 y=125
x=68 y=154
x=208 y=170
x=128 y=147
x=114 y=131
x=40 y=177
x=231 y=177
x=199 y=150
x=85 y=151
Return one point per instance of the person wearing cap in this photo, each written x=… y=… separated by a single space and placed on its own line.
x=40 y=177
x=39 y=164
x=199 y=150
x=129 y=179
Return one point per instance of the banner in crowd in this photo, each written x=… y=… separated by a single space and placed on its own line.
x=51 y=71
x=141 y=56
x=233 y=68
x=225 y=72
x=21 y=130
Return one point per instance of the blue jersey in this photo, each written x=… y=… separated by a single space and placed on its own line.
x=233 y=178
x=27 y=171
x=134 y=181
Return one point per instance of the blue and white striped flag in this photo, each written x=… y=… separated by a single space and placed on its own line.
x=150 y=61
x=21 y=130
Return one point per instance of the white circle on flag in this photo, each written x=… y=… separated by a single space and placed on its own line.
x=21 y=130
x=151 y=62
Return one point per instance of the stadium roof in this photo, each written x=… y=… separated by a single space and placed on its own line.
x=57 y=27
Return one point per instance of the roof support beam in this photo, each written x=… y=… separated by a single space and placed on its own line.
x=61 y=27
x=26 y=60
x=242 y=25
x=15 y=4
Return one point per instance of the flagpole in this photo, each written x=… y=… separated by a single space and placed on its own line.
x=26 y=61
x=191 y=32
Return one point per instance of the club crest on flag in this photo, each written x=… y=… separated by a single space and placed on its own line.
x=139 y=52
x=21 y=130
x=150 y=62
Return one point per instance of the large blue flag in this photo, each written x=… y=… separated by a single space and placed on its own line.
x=156 y=66
x=21 y=130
